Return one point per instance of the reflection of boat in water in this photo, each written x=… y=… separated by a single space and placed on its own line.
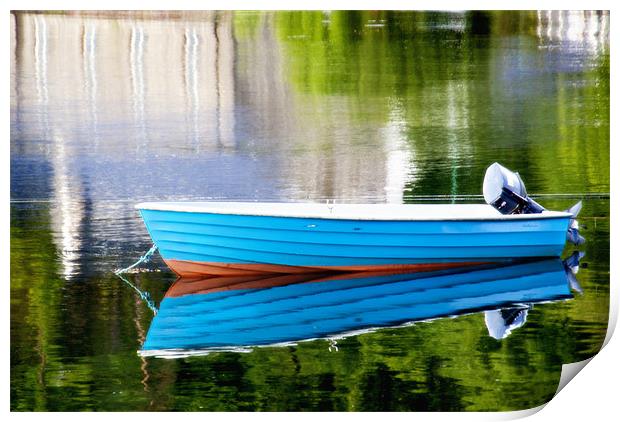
x=231 y=313
x=501 y=322
x=245 y=238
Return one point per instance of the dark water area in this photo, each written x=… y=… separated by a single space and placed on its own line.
x=111 y=110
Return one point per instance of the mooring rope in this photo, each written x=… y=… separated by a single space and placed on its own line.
x=143 y=295
x=144 y=258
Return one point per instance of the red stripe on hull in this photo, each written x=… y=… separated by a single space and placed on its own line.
x=202 y=269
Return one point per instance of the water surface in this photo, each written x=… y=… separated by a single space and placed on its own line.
x=109 y=110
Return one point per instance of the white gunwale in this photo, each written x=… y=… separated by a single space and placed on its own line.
x=371 y=212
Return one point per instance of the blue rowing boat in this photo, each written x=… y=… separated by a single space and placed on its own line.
x=249 y=238
x=246 y=238
x=199 y=316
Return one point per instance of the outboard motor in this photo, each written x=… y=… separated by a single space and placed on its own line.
x=572 y=235
x=571 y=267
x=505 y=191
x=501 y=322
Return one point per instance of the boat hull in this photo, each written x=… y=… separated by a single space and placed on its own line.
x=203 y=243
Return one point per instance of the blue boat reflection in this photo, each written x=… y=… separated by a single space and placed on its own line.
x=199 y=316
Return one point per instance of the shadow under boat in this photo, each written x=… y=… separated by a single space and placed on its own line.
x=200 y=316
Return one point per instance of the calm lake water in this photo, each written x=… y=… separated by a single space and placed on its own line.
x=109 y=110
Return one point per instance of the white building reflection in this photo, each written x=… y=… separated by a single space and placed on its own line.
x=190 y=80
x=89 y=43
x=400 y=167
x=138 y=91
x=589 y=28
x=456 y=123
x=67 y=195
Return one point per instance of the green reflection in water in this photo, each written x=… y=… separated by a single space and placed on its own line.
x=478 y=88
